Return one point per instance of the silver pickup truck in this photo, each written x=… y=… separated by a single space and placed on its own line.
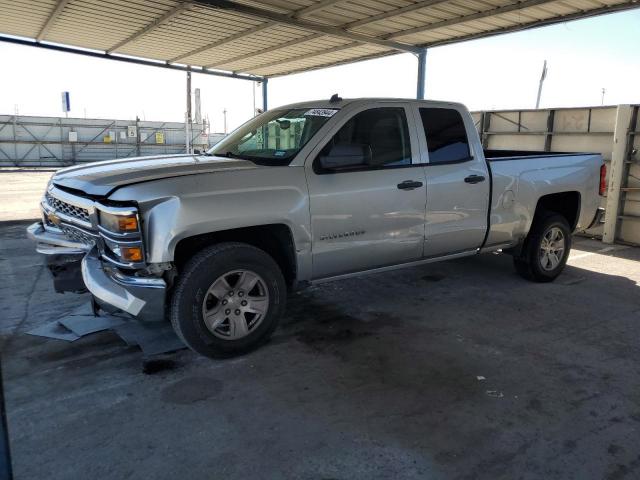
x=305 y=193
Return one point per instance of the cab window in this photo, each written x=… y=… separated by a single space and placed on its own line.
x=381 y=133
x=446 y=136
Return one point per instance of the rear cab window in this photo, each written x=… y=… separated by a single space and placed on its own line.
x=446 y=135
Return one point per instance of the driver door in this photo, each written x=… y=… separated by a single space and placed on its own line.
x=372 y=215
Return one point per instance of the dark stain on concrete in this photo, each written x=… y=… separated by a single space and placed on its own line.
x=157 y=365
x=191 y=390
x=433 y=277
x=625 y=471
x=569 y=446
x=614 y=449
x=326 y=336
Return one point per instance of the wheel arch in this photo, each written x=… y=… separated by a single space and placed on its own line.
x=274 y=239
x=566 y=204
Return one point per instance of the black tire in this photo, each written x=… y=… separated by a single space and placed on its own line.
x=200 y=272
x=529 y=263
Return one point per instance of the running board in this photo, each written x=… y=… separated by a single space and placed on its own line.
x=389 y=268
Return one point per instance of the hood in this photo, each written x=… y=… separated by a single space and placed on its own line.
x=102 y=178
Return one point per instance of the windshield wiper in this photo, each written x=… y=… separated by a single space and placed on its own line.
x=234 y=155
x=228 y=155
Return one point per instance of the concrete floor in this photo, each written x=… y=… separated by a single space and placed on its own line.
x=371 y=378
x=21 y=192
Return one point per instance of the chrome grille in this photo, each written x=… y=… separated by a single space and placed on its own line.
x=77 y=235
x=67 y=209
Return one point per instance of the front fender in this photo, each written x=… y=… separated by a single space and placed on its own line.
x=179 y=208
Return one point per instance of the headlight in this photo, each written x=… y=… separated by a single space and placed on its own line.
x=118 y=223
x=121 y=235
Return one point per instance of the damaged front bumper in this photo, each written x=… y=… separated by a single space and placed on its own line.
x=63 y=258
x=78 y=267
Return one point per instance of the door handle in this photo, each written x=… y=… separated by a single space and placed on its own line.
x=409 y=185
x=474 y=179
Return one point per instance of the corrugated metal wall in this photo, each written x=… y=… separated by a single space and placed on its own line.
x=54 y=141
x=587 y=129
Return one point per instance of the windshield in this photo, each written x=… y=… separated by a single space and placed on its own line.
x=274 y=137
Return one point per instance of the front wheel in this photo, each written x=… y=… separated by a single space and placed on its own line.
x=546 y=249
x=228 y=300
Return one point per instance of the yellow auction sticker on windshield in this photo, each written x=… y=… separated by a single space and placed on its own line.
x=321 y=112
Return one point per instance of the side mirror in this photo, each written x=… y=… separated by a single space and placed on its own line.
x=346 y=155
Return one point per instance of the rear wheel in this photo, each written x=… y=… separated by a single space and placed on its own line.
x=228 y=300
x=546 y=249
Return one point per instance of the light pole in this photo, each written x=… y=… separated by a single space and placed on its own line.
x=542 y=77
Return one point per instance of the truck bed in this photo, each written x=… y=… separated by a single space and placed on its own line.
x=521 y=178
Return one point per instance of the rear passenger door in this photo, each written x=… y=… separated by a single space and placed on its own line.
x=371 y=215
x=458 y=183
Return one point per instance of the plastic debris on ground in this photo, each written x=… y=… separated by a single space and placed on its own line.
x=153 y=338
x=54 y=330
x=494 y=393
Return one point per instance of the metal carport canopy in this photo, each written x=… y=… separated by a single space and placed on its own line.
x=255 y=40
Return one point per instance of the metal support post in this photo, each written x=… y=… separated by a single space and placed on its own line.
x=187 y=124
x=551 y=119
x=15 y=138
x=264 y=94
x=619 y=155
x=485 y=122
x=422 y=67
x=137 y=136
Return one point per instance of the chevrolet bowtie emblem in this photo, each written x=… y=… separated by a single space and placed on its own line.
x=53 y=218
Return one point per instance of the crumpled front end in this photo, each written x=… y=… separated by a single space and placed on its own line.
x=98 y=247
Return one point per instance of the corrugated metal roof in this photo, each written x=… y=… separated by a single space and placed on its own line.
x=277 y=37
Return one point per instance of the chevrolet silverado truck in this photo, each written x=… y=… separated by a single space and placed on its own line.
x=301 y=194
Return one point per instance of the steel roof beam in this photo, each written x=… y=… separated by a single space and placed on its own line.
x=291 y=43
x=469 y=18
x=393 y=13
x=175 y=11
x=55 y=13
x=364 y=21
x=258 y=28
x=223 y=41
x=120 y=58
x=345 y=61
x=358 y=23
x=274 y=63
x=306 y=11
x=315 y=7
x=307 y=25
x=465 y=38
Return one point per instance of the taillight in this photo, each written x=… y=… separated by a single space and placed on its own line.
x=603 y=179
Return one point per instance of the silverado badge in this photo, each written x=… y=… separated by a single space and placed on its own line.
x=333 y=236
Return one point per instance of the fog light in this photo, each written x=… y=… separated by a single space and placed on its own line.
x=131 y=254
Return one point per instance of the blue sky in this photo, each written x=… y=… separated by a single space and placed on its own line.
x=500 y=72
